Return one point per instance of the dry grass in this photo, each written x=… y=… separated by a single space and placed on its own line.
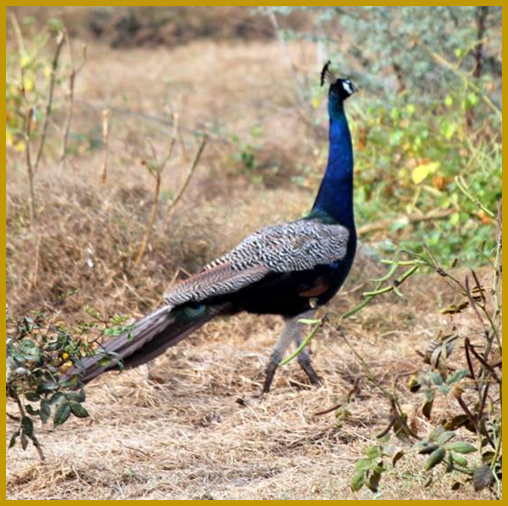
x=194 y=428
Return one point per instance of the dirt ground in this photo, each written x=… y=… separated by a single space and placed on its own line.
x=191 y=426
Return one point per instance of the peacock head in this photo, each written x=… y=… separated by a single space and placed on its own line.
x=340 y=88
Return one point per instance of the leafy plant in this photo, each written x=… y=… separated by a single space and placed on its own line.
x=40 y=351
x=475 y=373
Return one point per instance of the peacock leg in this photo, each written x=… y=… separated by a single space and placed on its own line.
x=286 y=338
x=305 y=364
x=292 y=332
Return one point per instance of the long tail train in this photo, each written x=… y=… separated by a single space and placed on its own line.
x=151 y=336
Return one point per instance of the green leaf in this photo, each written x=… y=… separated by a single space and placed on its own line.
x=28 y=426
x=46 y=387
x=461 y=447
x=364 y=464
x=32 y=396
x=434 y=459
x=472 y=99
x=459 y=459
x=78 y=410
x=55 y=25
x=445 y=437
x=427 y=448
x=104 y=361
x=62 y=413
x=14 y=436
x=32 y=411
x=56 y=397
x=373 y=451
x=357 y=481
x=24 y=442
x=457 y=376
x=76 y=396
x=455 y=219
x=45 y=411
x=436 y=378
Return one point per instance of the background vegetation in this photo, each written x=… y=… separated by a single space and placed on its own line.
x=143 y=142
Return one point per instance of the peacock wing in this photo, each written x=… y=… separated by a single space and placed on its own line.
x=211 y=282
x=296 y=246
x=300 y=245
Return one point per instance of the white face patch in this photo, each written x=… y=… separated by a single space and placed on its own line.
x=348 y=86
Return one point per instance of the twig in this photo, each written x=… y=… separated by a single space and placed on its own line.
x=355 y=390
x=155 y=204
x=105 y=143
x=70 y=97
x=34 y=439
x=49 y=104
x=473 y=420
x=305 y=342
x=474 y=304
x=482 y=361
x=410 y=220
x=28 y=154
x=469 y=360
x=156 y=172
x=35 y=277
x=190 y=173
x=462 y=187
x=18 y=33
x=384 y=432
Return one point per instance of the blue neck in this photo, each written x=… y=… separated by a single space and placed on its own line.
x=335 y=197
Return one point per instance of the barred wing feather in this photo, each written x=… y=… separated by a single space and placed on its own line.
x=296 y=246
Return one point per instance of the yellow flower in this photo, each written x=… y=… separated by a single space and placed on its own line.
x=66 y=366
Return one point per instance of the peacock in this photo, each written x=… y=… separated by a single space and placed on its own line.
x=289 y=269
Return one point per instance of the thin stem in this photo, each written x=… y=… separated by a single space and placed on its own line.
x=304 y=343
x=462 y=187
x=190 y=173
x=105 y=145
x=34 y=439
x=49 y=104
x=29 y=164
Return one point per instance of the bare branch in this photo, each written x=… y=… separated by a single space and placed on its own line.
x=411 y=220
x=49 y=104
x=156 y=173
x=189 y=175
x=28 y=159
x=70 y=97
